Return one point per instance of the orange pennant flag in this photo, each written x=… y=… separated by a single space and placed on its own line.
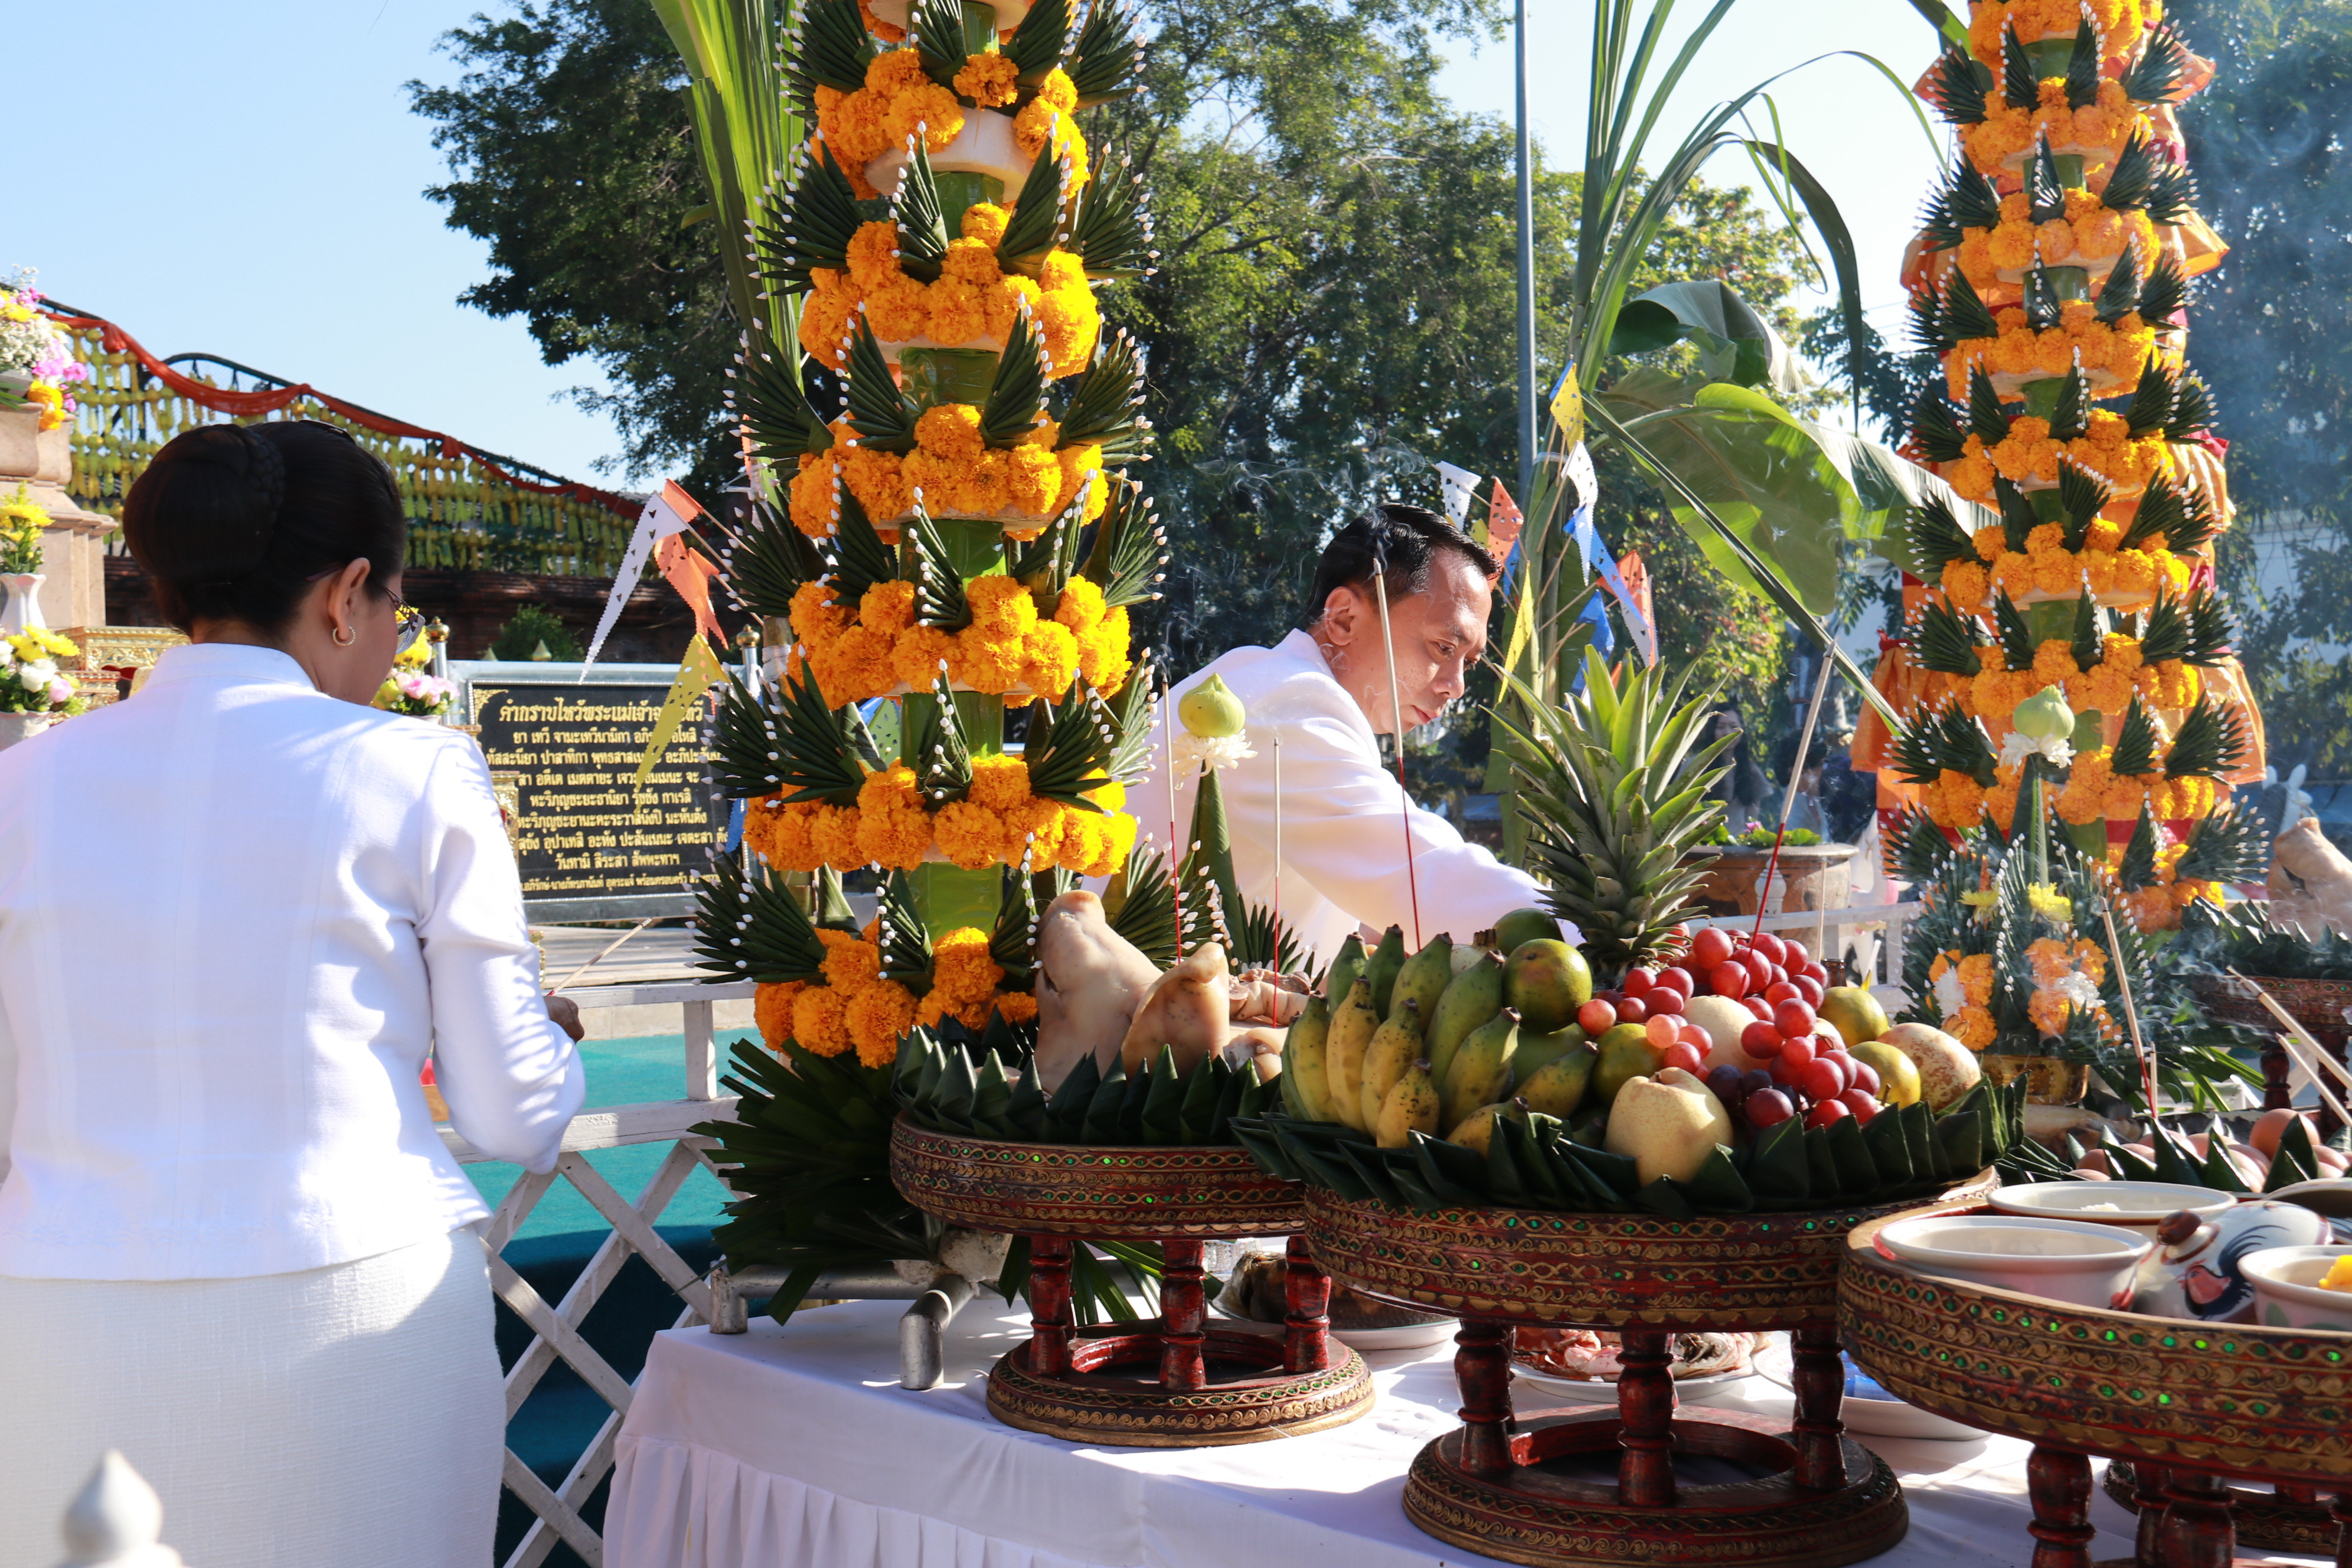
x=1503 y=523
x=692 y=574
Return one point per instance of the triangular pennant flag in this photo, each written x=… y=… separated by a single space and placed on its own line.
x=1635 y=602
x=690 y=572
x=666 y=512
x=698 y=672
x=1461 y=487
x=1567 y=407
x=1503 y=523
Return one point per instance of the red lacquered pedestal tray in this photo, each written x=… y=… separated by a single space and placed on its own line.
x=2186 y=1403
x=1498 y=1485
x=1176 y=1385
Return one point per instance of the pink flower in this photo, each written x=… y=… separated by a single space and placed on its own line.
x=60 y=693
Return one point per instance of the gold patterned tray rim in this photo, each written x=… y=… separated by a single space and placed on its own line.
x=1091 y=1213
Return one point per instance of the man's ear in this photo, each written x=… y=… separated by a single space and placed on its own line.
x=1341 y=616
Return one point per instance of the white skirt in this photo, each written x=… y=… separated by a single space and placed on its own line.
x=351 y=1415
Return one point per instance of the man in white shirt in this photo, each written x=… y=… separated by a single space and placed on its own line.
x=1324 y=691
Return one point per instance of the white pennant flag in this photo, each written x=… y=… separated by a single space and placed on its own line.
x=668 y=510
x=1461 y=488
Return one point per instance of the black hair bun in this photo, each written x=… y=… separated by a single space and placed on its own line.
x=233 y=484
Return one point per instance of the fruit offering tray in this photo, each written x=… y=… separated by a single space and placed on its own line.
x=2186 y=1403
x=1525 y=1490
x=1179 y=1383
x=1902 y=1155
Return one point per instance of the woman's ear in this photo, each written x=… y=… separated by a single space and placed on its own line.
x=343 y=601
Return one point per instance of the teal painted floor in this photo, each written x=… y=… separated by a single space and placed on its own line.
x=620 y=1072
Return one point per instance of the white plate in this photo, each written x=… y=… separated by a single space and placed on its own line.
x=1594 y=1391
x=1408 y=1337
x=1874 y=1417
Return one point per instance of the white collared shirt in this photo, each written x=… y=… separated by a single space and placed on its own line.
x=235 y=914
x=1344 y=817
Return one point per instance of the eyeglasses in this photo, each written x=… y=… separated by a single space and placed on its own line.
x=411 y=621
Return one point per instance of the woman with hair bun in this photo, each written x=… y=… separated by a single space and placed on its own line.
x=236 y=912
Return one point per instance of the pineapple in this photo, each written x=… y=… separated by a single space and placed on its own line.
x=1612 y=788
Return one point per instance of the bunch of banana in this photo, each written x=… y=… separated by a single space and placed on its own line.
x=1423 y=1041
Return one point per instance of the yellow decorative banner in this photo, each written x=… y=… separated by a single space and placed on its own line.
x=698 y=672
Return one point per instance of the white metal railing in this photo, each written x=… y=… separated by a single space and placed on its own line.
x=555 y=1328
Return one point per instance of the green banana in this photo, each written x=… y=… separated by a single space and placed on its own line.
x=1305 y=1088
x=1344 y=970
x=1470 y=999
x=1394 y=1046
x=1423 y=977
x=1343 y=1054
x=1481 y=1073
x=1559 y=1086
x=1410 y=1105
x=1381 y=968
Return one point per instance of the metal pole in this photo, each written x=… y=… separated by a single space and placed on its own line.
x=1527 y=269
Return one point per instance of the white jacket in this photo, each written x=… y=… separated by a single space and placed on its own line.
x=235 y=915
x=1343 y=816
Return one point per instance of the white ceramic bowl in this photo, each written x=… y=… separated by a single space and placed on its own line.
x=2059 y=1260
x=2286 y=1288
x=2137 y=1205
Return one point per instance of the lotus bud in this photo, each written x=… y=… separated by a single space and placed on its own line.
x=2044 y=716
x=1210 y=710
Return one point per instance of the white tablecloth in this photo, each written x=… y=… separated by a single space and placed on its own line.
x=795 y=1447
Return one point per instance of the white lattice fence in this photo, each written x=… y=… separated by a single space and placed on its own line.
x=555 y=1328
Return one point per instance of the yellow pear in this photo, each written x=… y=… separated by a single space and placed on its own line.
x=1669 y=1124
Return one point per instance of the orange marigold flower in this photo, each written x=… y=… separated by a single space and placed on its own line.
x=819 y=1026
x=989 y=79
x=876 y=1019
x=833 y=836
x=1972 y=1026
x=918 y=653
x=970 y=834
x=983 y=222
x=879 y=481
x=998 y=783
x=771 y=1010
x=950 y=430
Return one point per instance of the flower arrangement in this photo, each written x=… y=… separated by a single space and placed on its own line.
x=34 y=352
x=2110 y=354
x=1024 y=484
x=2029 y=452
x=900 y=98
x=999 y=822
x=877 y=649
x=30 y=681
x=410 y=690
x=854 y=1007
x=22 y=518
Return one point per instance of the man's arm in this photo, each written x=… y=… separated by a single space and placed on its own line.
x=1344 y=829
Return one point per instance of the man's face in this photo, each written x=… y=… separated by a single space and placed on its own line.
x=1438 y=634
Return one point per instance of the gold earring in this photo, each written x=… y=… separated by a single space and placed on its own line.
x=346 y=635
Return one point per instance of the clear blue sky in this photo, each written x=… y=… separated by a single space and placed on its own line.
x=245 y=178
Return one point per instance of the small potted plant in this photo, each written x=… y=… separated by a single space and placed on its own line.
x=33 y=693
x=412 y=689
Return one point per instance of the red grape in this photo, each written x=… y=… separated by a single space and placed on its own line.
x=1798 y=1049
x=1596 y=1017
x=1780 y=991
x=1638 y=982
x=1675 y=976
x=1816 y=971
x=1862 y=1105
x=1767 y=1108
x=1758 y=967
x=1760 y=1039
x=1828 y=1113
x=1820 y=1078
x=1793 y=1017
x=1841 y=1064
x=1758 y=1006
x=1795 y=953
x=1865 y=1078
x=1779 y=973
x=1661 y=1031
x=1699 y=1037
x=1666 y=999
x=1684 y=1054
x=1632 y=1010
x=1711 y=947
x=1727 y=979
x=1771 y=946
x=1810 y=989
x=1782 y=1070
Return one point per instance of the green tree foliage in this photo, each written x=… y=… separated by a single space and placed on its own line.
x=2272 y=334
x=1333 y=313
x=572 y=156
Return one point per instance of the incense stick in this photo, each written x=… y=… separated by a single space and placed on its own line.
x=1396 y=723
x=1276 y=955
x=2131 y=1009
x=610 y=948
x=1788 y=795
x=1175 y=861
